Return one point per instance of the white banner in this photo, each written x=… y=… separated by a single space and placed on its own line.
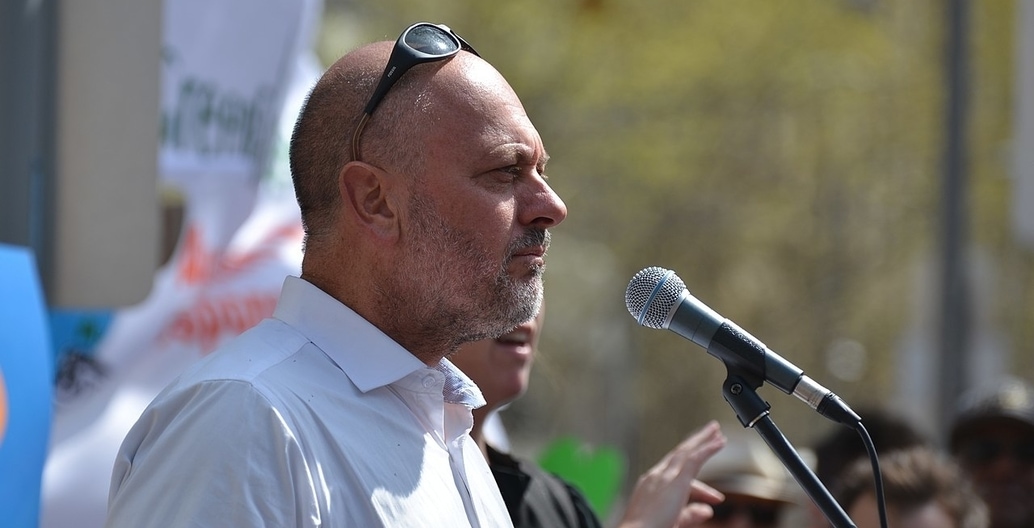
x=230 y=66
x=224 y=63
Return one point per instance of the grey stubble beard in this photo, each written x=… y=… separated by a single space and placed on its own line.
x=444 y=302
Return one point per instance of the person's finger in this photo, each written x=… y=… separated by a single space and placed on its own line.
x=703 y=440
x=668 y=494
x=701 y=492
x=694 y=514
x=690 y=455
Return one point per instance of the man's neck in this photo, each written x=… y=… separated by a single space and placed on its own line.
x=477 y=432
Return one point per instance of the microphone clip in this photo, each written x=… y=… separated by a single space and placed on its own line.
x=740 y=391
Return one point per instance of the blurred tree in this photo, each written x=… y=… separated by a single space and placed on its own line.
x=783 y=157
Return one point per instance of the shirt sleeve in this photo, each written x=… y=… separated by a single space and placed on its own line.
x=216 y=453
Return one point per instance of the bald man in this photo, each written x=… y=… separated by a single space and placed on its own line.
x=426 y=210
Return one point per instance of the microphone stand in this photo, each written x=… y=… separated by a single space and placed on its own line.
x=752 y=412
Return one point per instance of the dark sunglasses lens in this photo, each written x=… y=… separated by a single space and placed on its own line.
x=982 y=451
x=764 y=516
x=759 y=514
x=986 y=451
x=431 y=40
x=722 y=511
x=1025 y=452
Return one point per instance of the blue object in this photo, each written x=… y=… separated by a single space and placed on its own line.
x=26 y=374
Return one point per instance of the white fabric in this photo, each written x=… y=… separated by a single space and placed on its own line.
x=312 y=418
x=241 y=233
x=495 y=431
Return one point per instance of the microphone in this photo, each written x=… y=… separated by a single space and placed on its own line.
x=657 y=298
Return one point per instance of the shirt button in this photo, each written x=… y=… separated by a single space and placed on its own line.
x=428 y=381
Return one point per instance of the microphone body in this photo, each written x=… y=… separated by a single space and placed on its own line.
x=658 y=298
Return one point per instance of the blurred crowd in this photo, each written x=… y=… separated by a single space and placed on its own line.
x=980 y=476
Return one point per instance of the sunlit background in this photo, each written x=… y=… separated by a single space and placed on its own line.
x=791 y=161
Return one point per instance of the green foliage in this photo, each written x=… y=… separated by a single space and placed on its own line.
x=596 y=473
x=784 y=157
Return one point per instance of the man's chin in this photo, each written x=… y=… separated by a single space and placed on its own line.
x=521 y=309
x=530 y=270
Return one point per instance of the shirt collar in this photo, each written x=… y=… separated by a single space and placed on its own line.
x=366 y=355
x=458 y=387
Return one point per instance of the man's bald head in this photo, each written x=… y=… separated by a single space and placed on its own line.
x=436 y=232
x=321 y=142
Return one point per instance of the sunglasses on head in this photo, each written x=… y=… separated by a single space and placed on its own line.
x=759 y=514
x=987 y=450
x=422 y=42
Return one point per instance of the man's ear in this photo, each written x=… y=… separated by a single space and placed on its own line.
x=366 y=191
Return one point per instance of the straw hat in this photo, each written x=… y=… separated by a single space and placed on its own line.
x=747 y=466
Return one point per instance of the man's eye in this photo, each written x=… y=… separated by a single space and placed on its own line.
x=512 y=172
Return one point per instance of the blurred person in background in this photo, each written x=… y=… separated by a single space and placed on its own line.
x=426 y=214
x=923 y=488
x=758 y=489
x=665 y=496
x=839 y=448
x=992 y=437
x=842 y=447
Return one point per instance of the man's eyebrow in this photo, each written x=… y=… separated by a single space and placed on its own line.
x=521 y=154
x=526 y=155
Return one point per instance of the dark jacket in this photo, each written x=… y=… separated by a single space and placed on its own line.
x=536 y=498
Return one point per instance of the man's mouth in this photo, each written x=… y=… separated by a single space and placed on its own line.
x=533 y=243
x=518 y=337
x=535 y=251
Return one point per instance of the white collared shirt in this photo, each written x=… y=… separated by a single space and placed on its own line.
x=311 y=418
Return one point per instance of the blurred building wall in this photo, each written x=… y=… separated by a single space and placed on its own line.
x=78 y=166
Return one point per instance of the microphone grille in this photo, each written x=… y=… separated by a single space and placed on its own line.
x=652 y=294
